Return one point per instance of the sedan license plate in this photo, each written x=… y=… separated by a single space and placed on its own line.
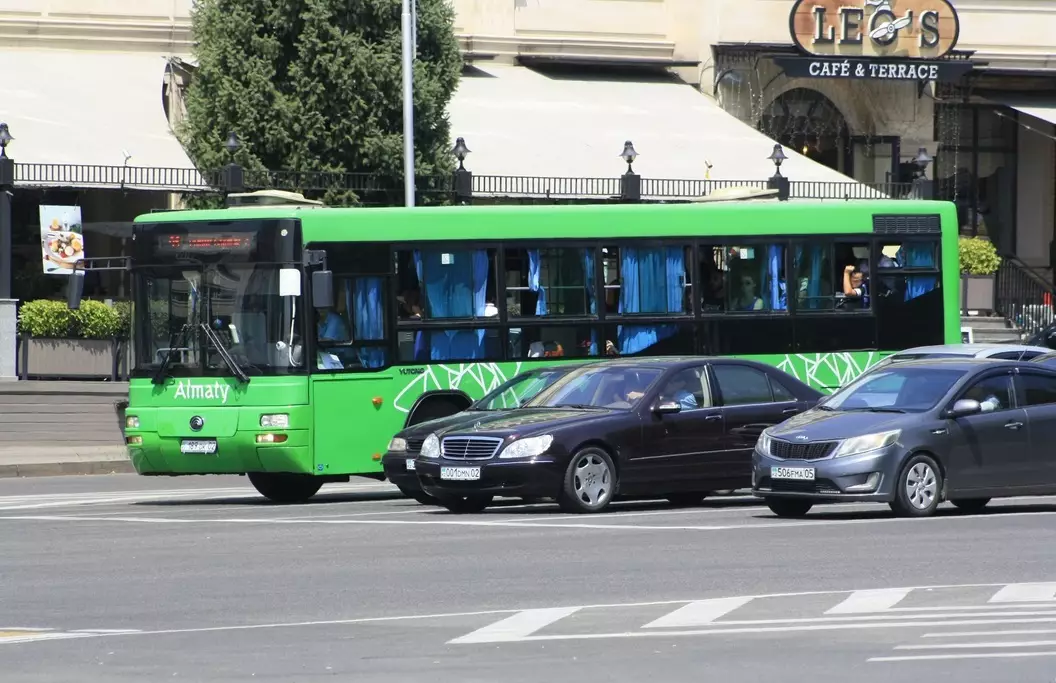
x=203 y=446
x=800 y=473
x=410 y=464
x=460 y=473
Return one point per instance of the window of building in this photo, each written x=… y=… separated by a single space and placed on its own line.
x=742 y=385
x=550 y=282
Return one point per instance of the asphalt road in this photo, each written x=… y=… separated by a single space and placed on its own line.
x=123 y=578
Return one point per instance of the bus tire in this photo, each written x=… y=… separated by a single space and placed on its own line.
x=285 y=488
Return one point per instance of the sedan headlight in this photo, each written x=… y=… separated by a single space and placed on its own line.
x=866 y=443
x=431 y=447
x=763 y=445
x=281 y=421
x=398 y=445
x=527 y=448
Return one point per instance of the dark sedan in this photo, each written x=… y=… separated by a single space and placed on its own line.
x=398 y=461
x=668 y=427
x=915 y=434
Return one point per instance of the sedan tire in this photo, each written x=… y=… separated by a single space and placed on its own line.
x=789 y=507
x=971 y=506
x=590 y=481
x=465 y=505
x=918 y=488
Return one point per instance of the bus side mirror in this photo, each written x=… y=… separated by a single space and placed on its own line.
x=323 y=289
x=75 y=289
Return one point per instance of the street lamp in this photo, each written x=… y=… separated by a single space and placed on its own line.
x=629 y=155
x=922 y=161
x=460 y=151
x=777 y=181
x=5 y=139
x=234 y=177
x=463 y=177
x=232 y=145
x=777 y=156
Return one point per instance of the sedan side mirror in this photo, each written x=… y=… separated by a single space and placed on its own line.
x=963 y=408
x=667 y=408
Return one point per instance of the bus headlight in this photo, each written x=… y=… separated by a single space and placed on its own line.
x=431 y=447
x=398 y=445
x=131 y=422
x=281 y=421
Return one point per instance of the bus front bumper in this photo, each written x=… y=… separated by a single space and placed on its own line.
x=152 y=454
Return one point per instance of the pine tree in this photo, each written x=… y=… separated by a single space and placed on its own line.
x=316 y=85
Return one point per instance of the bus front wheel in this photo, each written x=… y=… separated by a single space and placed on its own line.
x=285 y=488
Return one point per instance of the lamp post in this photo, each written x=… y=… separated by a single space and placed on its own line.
x=630 y=182
x=407 y=34
x=463 y=177
x=922 y=187
x=777 y=181
x=234 y=176
x=8 y=306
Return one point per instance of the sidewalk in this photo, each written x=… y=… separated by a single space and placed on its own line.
x=62 y=428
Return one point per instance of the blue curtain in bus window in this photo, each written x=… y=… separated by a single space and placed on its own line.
x=534 y=266
x=812 y=287
x=919 y=256
x=456 y=289
x=776 y=297
x=592 y=302
x=369 y=319
x=649 y=277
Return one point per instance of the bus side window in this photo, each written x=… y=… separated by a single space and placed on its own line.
x=550 y=282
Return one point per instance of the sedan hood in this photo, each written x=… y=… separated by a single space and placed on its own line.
x=528 y=421
x=825 y=425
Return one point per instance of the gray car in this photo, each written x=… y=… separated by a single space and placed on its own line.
x=914 y=434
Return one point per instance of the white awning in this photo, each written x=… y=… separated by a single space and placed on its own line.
x=1043 y=108
x=89 y=108
x=520 y=122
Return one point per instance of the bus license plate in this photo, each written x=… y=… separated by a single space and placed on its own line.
x=460 y=473
x=204 y=446
x=800 y=473
x=410 y=464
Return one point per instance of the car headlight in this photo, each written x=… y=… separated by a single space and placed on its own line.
x=866 y=443
x=431 y=447
x=398 y=445
x=763 y=445
x=527 y=448
x=275 y=421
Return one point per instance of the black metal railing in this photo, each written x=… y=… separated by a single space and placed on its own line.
x=1023 y=296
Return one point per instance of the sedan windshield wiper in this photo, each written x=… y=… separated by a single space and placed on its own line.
x=882 y=410
x=582 y=406
x=228 y=360
x=828 y=408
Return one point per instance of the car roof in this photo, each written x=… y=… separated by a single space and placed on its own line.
x=960 y=363
x=970 y=349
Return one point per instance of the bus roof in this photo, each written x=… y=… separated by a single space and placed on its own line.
x=573 y=221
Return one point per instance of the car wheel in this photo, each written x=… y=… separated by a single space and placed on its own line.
x=590 y=481
x=420 y=496
x=789 y=507
x=464 y=505
x=686 y=499
x=285 y=488
x=972 y=506
x=917 y=488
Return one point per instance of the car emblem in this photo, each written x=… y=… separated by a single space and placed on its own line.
x=802 y=438
x=197 y=423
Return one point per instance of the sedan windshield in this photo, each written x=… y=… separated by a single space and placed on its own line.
x=898 y=389
x=607 y=387
x=514 y=392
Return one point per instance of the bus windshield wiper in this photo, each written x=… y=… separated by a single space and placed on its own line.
x=159 y=374
x=228 y=360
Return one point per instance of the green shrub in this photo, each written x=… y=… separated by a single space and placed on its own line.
x=978 y=256
x=53 y=319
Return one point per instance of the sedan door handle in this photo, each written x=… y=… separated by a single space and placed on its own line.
x=1013 y=425
x=789 y=411
x=713 y=417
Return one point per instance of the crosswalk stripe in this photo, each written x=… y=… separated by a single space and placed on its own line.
x=862 y=602
x=516 y=627
x=1025 y=592
x=699 y=613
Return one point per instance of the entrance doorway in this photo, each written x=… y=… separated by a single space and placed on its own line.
x=808 y=122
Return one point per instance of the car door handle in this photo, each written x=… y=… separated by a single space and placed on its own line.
x=1013 y=425
x=789 y=411
x=713 y=417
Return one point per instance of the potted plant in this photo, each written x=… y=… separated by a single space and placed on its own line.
x=57 y=342
x=979 y=263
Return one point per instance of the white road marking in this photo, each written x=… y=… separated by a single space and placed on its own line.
x=106 y=630
x=970 y=646
x=1025 y=592
x=516 y=627
x=698 y=613
x=972 y=655
x=979 y=634
x=862 y=602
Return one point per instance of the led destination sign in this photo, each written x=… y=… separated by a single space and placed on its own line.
x=207 y=242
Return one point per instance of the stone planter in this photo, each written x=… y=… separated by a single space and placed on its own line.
x=977 y=293
x=40 y=358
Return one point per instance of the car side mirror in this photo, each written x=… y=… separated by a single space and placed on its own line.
x=667 y=408
x=963 y=408
x=323 y=289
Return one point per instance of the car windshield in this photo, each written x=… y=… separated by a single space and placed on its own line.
x=616 y=387
x=514 y=392
x=898 y=389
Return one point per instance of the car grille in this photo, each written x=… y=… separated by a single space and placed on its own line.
x=470 y=447
x=786 y=450
x=415 y=445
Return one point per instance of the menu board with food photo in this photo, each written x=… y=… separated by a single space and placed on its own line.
x=61 y=239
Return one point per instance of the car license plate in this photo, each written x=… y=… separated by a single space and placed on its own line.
x=410 y=464
x=205 y=447
x=460 y=473
x=801 y=473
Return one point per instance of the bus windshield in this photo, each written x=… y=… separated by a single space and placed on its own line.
x=214 y=308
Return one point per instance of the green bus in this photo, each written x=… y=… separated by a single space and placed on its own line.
x=289 y=343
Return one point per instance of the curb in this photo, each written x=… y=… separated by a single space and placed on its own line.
x=56 y=469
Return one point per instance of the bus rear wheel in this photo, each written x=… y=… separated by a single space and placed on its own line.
x=285 y=488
